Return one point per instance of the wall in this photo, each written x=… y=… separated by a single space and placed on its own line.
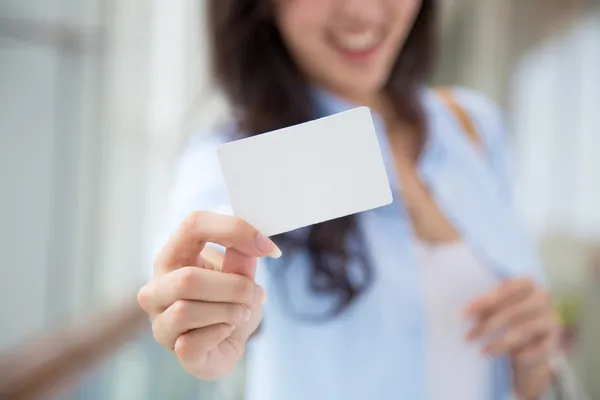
x=43 y=75
x=92 y=95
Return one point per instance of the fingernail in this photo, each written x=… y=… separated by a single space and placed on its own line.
x=247 y=314
x=264 y=298
x=259 y=295
x=267 y=247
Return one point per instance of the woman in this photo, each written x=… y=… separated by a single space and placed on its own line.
x=436 y=296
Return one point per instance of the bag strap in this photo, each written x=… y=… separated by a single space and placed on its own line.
x=449 y=99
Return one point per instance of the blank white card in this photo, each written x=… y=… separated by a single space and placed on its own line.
x=306 y=174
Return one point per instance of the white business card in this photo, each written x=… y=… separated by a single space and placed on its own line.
x=306 y=174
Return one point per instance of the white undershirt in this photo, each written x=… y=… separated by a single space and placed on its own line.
x=453 y=276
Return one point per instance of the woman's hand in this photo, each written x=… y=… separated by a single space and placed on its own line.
x=519 y=317
x=204 y=307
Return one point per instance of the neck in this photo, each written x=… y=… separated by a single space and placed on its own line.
x=405 y=137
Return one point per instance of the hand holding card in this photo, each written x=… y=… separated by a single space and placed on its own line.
x=203 y=304
x=306 y=174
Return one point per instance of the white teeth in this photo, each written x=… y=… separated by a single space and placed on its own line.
x=358 y=41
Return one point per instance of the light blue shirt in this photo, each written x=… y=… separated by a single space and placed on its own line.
x=377 y=348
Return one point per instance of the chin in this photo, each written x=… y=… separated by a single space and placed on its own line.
x=360 y=86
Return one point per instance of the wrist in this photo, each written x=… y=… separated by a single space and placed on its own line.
x=532 y=379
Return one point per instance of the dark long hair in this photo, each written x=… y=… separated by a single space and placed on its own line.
x=267 y=91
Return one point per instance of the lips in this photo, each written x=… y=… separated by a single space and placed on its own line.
x=357 y=42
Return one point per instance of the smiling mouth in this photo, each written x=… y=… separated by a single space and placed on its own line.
x=357 y=46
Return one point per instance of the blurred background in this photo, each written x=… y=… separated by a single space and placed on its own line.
x=96 y=97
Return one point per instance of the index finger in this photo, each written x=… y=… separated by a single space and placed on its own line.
x=507 y=291
x=201 y=227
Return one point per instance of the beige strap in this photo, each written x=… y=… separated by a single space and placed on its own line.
x=448 y=97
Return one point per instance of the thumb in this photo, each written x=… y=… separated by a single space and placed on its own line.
x=236 y=262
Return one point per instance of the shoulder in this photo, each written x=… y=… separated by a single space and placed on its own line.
x=198 y=159
x=478 y=104
x=197 y=182
x=489 y=125
x=485 y=115
x=201 y=147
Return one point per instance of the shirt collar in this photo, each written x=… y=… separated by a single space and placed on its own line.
x=329 y=104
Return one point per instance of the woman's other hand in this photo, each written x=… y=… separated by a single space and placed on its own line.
x=520 y=319
x=204 y=307
x=523 y=311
